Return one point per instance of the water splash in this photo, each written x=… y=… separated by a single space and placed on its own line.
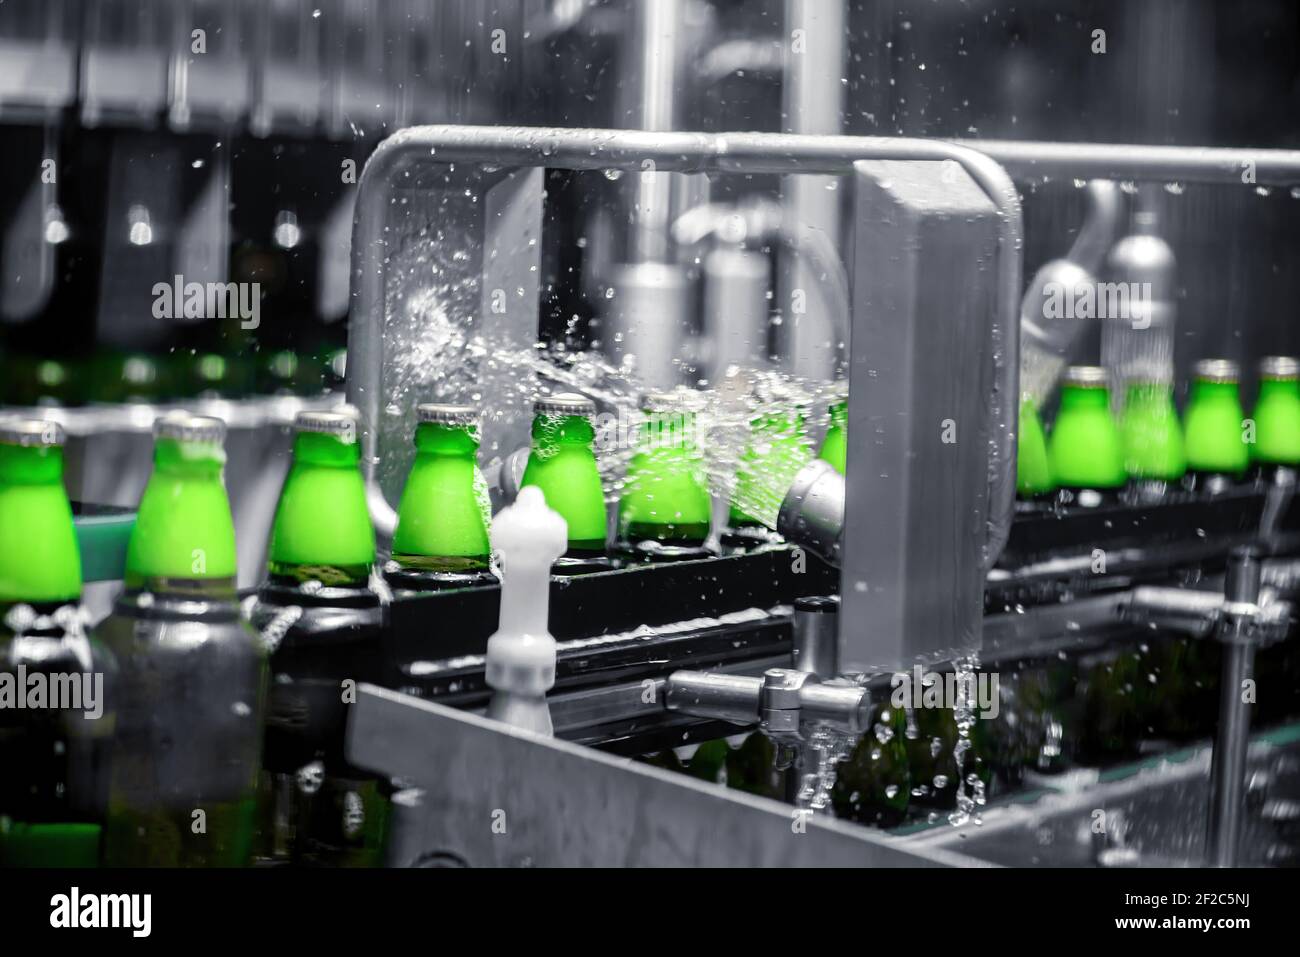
x=964 y=713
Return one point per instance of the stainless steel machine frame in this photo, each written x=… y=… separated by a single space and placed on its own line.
x=454 y=158
x=497 y=796
x=562 y=803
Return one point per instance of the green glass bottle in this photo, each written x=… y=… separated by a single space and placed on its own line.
x=192 y=680
x=1277 y=413
x=1033 y=474
x=752 y=767
x=321 y=553
x=874 y=784
x=709 y=762
x=53 y=752
x=778 y=447
x=665 y=499
x=1153 y=436
x=835 y=446
x=444 y=515
x=1117 y=693
x=1215 y=440
x=1085 y=452
x=562 y=463
x=322 y=530
x=128 y=377
x=45 y=381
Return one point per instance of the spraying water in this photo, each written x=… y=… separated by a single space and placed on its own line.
x=753 y=431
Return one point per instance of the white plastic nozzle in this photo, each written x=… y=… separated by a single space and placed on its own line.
x=527 y=537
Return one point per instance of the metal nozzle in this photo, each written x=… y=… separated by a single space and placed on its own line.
x=786 y=703
x=812 y=513
x=187 y=427
x=509 y=475
x=31 y=433
x=816 y=635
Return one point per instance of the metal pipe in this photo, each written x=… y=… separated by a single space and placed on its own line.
x=1231 y=738
x=816 y=635
x=813 y=103
x=1141 y=162
x=1228 y=763
x=707 y=694
x=784 y=702
x=652 y=50
x=671 y=152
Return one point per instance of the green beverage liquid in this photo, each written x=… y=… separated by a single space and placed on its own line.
x=1033 y=474
x=562 y=464
x=322 y=530
x=1153 y=437
x=1085 y=449
x=835 y=446
x=443 y=518
x=50 y=805
x=777 y=448
x=186 y=754
x=183 y=530
x=1277 y=422
x=39 y=560
x=1213 y=426
x=665 y=498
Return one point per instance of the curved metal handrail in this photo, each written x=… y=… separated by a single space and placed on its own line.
x=745 y=153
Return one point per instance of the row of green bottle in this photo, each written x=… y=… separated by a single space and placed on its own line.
x=906 y=760
x=171 y=775
x=53 y=786
x=175 y=754
x=115 y=376
x=665 y=498
x=1088 y=450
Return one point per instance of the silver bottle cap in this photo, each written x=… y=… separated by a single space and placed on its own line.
x=187 y=427
x=1089 y=377
x=1279 y=367
x=31 y=433
x=447 y=413
x=1216 y=370
x=341 y=425
x=565 y=403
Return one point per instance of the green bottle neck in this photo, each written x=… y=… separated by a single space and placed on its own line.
x=31 y=465
x=453 y=441
x=1214 y=392
x=1153 y=395
x=668 y=432
x=1285 y=389
x=322 y=530
x=563 y=433
x=1084 y=399
x=1033 y=474
x=184 y=536
x=839 y=412
x=39 y=558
